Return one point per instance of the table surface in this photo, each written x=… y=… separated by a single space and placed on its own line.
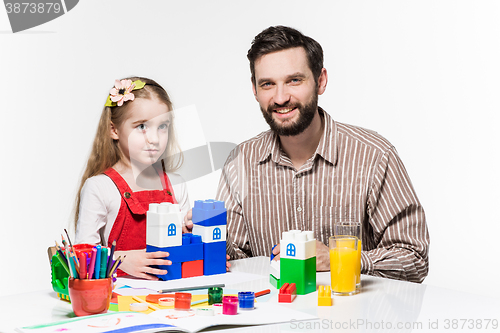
x=382 y=305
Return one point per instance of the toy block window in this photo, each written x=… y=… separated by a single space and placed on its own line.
x=290 y=250
x=216 y=234
x=172 y=229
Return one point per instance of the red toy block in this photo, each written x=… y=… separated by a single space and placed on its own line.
x=192 y=268
x=287 y=294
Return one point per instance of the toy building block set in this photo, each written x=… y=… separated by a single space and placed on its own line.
x=297 y=264
x=201 y=253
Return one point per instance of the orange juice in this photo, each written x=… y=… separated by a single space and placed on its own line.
x=344 y=268
x=358 y=265
x=348 y=242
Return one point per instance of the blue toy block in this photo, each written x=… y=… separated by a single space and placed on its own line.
x=188 y=239
x=174 y=271
x=183 y=253
x=209 y=213
x=214 y=261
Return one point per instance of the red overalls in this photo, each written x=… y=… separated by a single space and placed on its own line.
x=129 y=229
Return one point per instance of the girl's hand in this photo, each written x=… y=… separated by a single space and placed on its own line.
x=137 y=263
x=187 y=225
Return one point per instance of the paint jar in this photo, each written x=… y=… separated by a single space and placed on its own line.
x=217 y=308
x=246 y=300
x=214 y=295
x=90 y=297
x=182 y=301
x=230 y=305
x=205 y=311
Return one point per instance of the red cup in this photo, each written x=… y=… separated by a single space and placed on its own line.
x=90 y=296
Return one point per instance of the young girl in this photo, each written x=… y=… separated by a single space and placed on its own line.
x=133 y=150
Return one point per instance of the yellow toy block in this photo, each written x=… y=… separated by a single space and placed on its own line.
x=324 y=296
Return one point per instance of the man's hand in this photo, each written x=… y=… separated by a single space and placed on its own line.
x=276 y=252
x=228 y=264
x=322 y=257
x=137 y=263
x=187 y=226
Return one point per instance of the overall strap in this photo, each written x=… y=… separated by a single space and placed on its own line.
x=125 y=192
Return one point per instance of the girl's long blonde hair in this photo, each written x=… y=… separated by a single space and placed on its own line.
x=105 y=151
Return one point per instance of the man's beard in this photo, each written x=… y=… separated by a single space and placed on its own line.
x=288 y=128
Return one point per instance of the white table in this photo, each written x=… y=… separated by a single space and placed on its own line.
x=383 y=305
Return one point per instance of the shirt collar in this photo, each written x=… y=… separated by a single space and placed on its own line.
x=327 y=146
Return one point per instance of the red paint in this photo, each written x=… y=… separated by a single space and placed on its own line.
x=182 y=301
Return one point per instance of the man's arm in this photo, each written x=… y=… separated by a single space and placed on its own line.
x=397 y=219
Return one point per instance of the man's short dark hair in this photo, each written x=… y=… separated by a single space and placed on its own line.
x=280 y=38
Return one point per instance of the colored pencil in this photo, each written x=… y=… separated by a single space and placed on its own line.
x=69 y=261
x=83 y=265
x=77 y=266
x=71 y=266
x=61 y=253
x=62 y=261
x=110 y=259
x=263 y=292
x=115 y=266
x=69 y=240
x=66 y=249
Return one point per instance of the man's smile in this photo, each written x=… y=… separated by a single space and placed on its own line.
x=283 y=111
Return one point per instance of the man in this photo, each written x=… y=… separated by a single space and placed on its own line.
x=309 y=171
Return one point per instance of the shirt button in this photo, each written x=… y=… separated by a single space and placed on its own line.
x=299 y=175
x=299 y=209
x=127 y=195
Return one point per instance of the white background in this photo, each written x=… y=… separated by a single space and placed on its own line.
x=425 y=74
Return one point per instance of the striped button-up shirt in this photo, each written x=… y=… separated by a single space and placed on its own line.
x=354 y=175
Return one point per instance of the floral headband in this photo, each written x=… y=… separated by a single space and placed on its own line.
x=122 y=92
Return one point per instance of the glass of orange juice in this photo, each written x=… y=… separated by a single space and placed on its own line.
x=343 y=264
x=351 y=228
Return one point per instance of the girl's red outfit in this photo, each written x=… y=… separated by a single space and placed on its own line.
x=129 y=229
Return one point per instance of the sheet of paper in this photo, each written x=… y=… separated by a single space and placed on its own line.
x=165 y=320
x=226 y=278
x=127 y=291
x=264 y=313
x=108 y=322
